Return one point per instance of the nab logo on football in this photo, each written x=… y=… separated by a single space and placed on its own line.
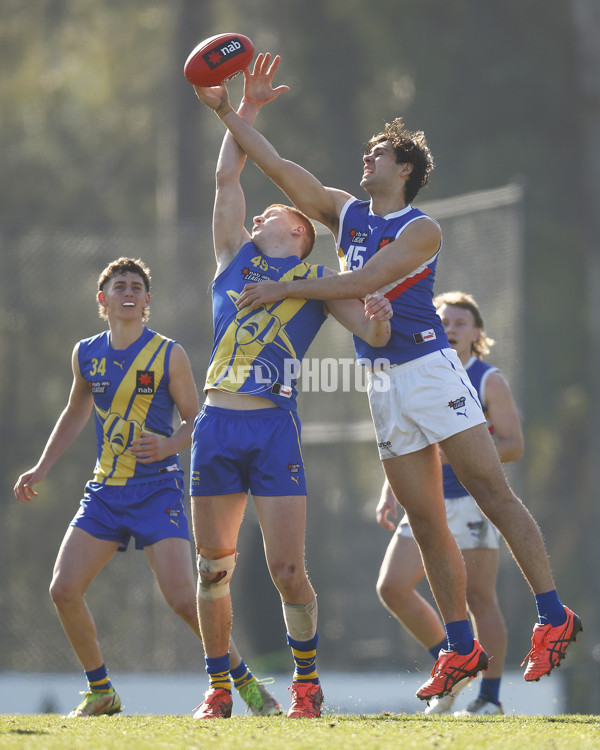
x=144 y=382
x=227 y=51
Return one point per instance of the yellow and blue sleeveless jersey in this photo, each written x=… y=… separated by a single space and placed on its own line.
x=259 y=352
x=416 y=328
x=131 y=393
x=478 y=371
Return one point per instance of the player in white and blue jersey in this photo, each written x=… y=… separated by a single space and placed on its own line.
x=133 y=379
x=423 y=396
x=402 y=566
x=247 y=437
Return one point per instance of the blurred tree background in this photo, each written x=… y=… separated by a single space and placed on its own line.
x=106 y=151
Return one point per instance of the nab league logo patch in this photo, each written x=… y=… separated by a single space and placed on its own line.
x=144 y=382
x=459 y=403
x=357 y=237
x=294 y=469
x=98 y=386
x=249 y=275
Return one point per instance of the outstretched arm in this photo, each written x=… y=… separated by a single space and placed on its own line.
x=368 y=319
x=418 y=243
x=67 y=428
x=302 y=188
x=229 y=214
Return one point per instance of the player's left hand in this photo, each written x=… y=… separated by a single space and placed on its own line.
x=149 y=448
x=257 y=294
x=378 y=307
x=387 y=509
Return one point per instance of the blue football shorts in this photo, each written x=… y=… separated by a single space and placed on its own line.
x=239 y=451
x=148 y=511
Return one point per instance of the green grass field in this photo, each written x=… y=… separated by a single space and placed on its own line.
x=332 y=732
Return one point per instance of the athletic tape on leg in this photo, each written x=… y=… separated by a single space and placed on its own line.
x=301 y=620
x=217 y=586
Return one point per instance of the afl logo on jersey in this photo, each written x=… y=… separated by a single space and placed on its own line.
x=144 y=382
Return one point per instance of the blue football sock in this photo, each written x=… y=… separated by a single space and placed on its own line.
x=305 y=658
x=460 y=636
x=218 y=672
x=550 y=610
x=489 y=690
x=436 y=649
x=98 y=680
x=241 y=675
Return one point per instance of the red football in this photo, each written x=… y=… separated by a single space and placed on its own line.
x=217 y=59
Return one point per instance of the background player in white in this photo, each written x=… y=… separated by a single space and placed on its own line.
x=402 y=566
x=151 y=509
x=397 y=251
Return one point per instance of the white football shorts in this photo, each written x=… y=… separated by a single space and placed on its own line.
x=470 y=528
x=421 y=402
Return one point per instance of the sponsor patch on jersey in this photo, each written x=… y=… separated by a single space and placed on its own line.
x=144 y=382
x=294 y=468
x=98 y=386
x=170 y=467
x=457 y=403
x=248 y=274
x=385 y=444
x=357 y=237
x=279 y=389
x=384 y=241
x=424 y=336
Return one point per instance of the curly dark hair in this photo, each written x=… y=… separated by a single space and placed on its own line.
x=409 y=148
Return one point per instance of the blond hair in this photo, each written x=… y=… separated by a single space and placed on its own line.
x=481 y=347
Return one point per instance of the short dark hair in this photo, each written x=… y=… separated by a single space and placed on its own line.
x=120 y=267
x=409 y=148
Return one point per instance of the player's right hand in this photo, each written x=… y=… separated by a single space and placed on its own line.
x=24 y=487
x=215 y=97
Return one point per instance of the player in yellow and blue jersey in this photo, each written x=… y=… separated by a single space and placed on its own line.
x=247 y=435
x=423 y=396
x=133 y=379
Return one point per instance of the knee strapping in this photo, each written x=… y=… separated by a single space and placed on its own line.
x=214 y=576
